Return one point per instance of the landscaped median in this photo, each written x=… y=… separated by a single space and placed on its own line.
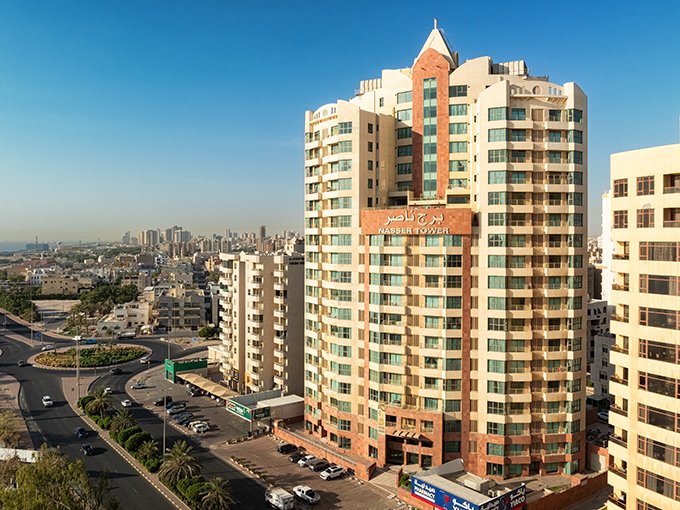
x=179 y=470
x=93 y=357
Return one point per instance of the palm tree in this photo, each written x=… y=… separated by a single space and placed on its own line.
x=123 y=420
x=179 y=462
x=100 y=403
x=148 y=449
x=217 y=495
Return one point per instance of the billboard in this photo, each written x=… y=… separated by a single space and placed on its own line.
x=447 y=501
x=247 y=413
x=416 y=221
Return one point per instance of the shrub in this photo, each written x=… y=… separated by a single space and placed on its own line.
x=124 y=435
x=135 y=440
x=114 y=436
x=405 y=481
x=153 y=465
x=83 y=401
x=184 y=484
x=105 y=422
x=193 y=493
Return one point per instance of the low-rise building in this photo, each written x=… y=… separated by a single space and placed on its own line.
x=59 y=284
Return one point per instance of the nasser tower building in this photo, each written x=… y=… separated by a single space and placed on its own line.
x=445 y=280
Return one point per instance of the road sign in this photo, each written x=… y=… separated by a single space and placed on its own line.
x=37 y=335
x=195 y=339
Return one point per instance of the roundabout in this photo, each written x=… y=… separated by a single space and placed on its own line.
x=99 y=356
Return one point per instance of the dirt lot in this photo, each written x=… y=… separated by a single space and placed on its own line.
x=335 y=494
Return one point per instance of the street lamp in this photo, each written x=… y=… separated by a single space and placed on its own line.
x=77 y=339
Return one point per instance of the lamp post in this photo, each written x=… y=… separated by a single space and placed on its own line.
x=77 y=339
x=165 y=412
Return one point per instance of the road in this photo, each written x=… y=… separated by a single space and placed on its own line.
x=55 y=425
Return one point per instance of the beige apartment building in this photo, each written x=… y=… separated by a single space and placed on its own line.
x=58 y=284
x=262 y=321
x=645 y=455
x=445 y=284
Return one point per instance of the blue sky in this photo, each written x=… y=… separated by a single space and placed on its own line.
x=129 y=115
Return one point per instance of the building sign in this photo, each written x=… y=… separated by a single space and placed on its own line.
x=447 y=501
x=381 y=421
x=247 y=413
x=416 y=221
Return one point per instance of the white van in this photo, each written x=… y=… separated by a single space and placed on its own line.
x=279 y=499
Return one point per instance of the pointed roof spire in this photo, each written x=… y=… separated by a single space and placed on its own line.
x=437 y=41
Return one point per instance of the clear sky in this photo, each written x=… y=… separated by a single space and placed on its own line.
x=123 y=115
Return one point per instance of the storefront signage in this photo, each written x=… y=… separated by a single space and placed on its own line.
x=247 y=413
x=445 y=500
x=416 y=221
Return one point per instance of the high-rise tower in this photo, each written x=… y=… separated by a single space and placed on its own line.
x=445 y=273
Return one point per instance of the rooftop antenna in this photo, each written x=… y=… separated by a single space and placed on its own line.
x=435 y=23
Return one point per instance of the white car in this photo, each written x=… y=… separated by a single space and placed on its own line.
x=47 y=401
x=48 y=347
x=333 y=472
x=108 y=391
x=126 y=403
x=200 y=426
x=138 y=386
x=304 y=461
x=306 y=494
x=145 y=359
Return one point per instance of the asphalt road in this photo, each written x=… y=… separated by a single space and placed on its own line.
x=56 y=425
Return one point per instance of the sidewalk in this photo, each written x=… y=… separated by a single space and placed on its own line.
x=85 y=382
x=10 y=387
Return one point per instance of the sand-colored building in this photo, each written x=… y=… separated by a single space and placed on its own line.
x=445 y=222
x=645 y=455
x=262 y=321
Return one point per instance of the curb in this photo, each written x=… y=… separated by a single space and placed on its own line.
x=127 y=457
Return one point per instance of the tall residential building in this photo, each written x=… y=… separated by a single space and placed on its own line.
x=262 y=321
x=445 y=274
x=645 y=203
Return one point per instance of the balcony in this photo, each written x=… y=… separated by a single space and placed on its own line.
x=671 y=189
x=671 y=224
x=617 y=471
x=619 y=318
x=617 y=256
x=615 y=500
x=617 y=348
x=616 y=286
x=615 y=409
x=615 y=378
x=619 y=441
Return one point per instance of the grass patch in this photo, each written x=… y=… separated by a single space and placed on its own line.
x=90 y=357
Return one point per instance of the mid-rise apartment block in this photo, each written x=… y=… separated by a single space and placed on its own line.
x=262 y=321
x=445 y=226
x=645 y=204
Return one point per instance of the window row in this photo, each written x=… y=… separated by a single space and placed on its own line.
x=522 y=198
x=527 y=220
x=501 y=324
x=645 y=218
x=521 y=135
x=522 y=240
x=522 y=156
x=645 y=186
x=505 y=113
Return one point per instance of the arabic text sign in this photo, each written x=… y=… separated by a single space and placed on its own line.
x=447 y=501
x=416 y=221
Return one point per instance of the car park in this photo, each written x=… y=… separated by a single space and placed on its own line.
x=21 y=363
x=286 y=448
x=318 y=465
x=48 y=347
x=296 y=456
x=47 y=401
x=81 y=432
x=304 y=461
x=138 y=386
x=306 y=493
x=162 y=401
x=200 y=426
x=126 y=403
x=116 y=371
x=333 y=471
x=86 y=449
x=176 y=410
x=183 y=418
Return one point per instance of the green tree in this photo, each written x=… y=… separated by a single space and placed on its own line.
x=9 y=436
x=54 y=482
x=123 y=419
x=179 y=462
x=217 y=495
x=100 y=403
x=148 y=449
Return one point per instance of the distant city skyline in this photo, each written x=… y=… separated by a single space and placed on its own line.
x=115 y=116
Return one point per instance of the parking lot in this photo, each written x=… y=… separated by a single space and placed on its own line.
x=345 y=492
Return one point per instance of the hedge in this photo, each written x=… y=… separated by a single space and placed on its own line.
x=134 y=441
x=124 y=435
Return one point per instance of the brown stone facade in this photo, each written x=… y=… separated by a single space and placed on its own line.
x=431 y=64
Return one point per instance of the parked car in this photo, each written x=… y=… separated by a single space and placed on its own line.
x=91 y=341
x=603 y=415
x=333 y=471
x=126 y=403
x=200 y=426
x=280 y=499
x=116 y=371
x=138 y=386
x=304 y=461
x=87 y=449
x=47 y=401
x=318 y=465
x=176 y=410
x=81 y=432
x=5 y=324
x=296 y=456
x=192 y=392
x=306 y=493
x=48 y=347
x=162 y=401
x=183 y=418
x=173 y=404
x=286 y=448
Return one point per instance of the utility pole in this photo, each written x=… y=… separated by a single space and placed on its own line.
x=77 y=339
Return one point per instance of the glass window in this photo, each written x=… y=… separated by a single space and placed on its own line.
x=404 y=97
x=498 y=113
x=457 y=90
x=458 y=109
x=404 y=115
x=518 y=114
